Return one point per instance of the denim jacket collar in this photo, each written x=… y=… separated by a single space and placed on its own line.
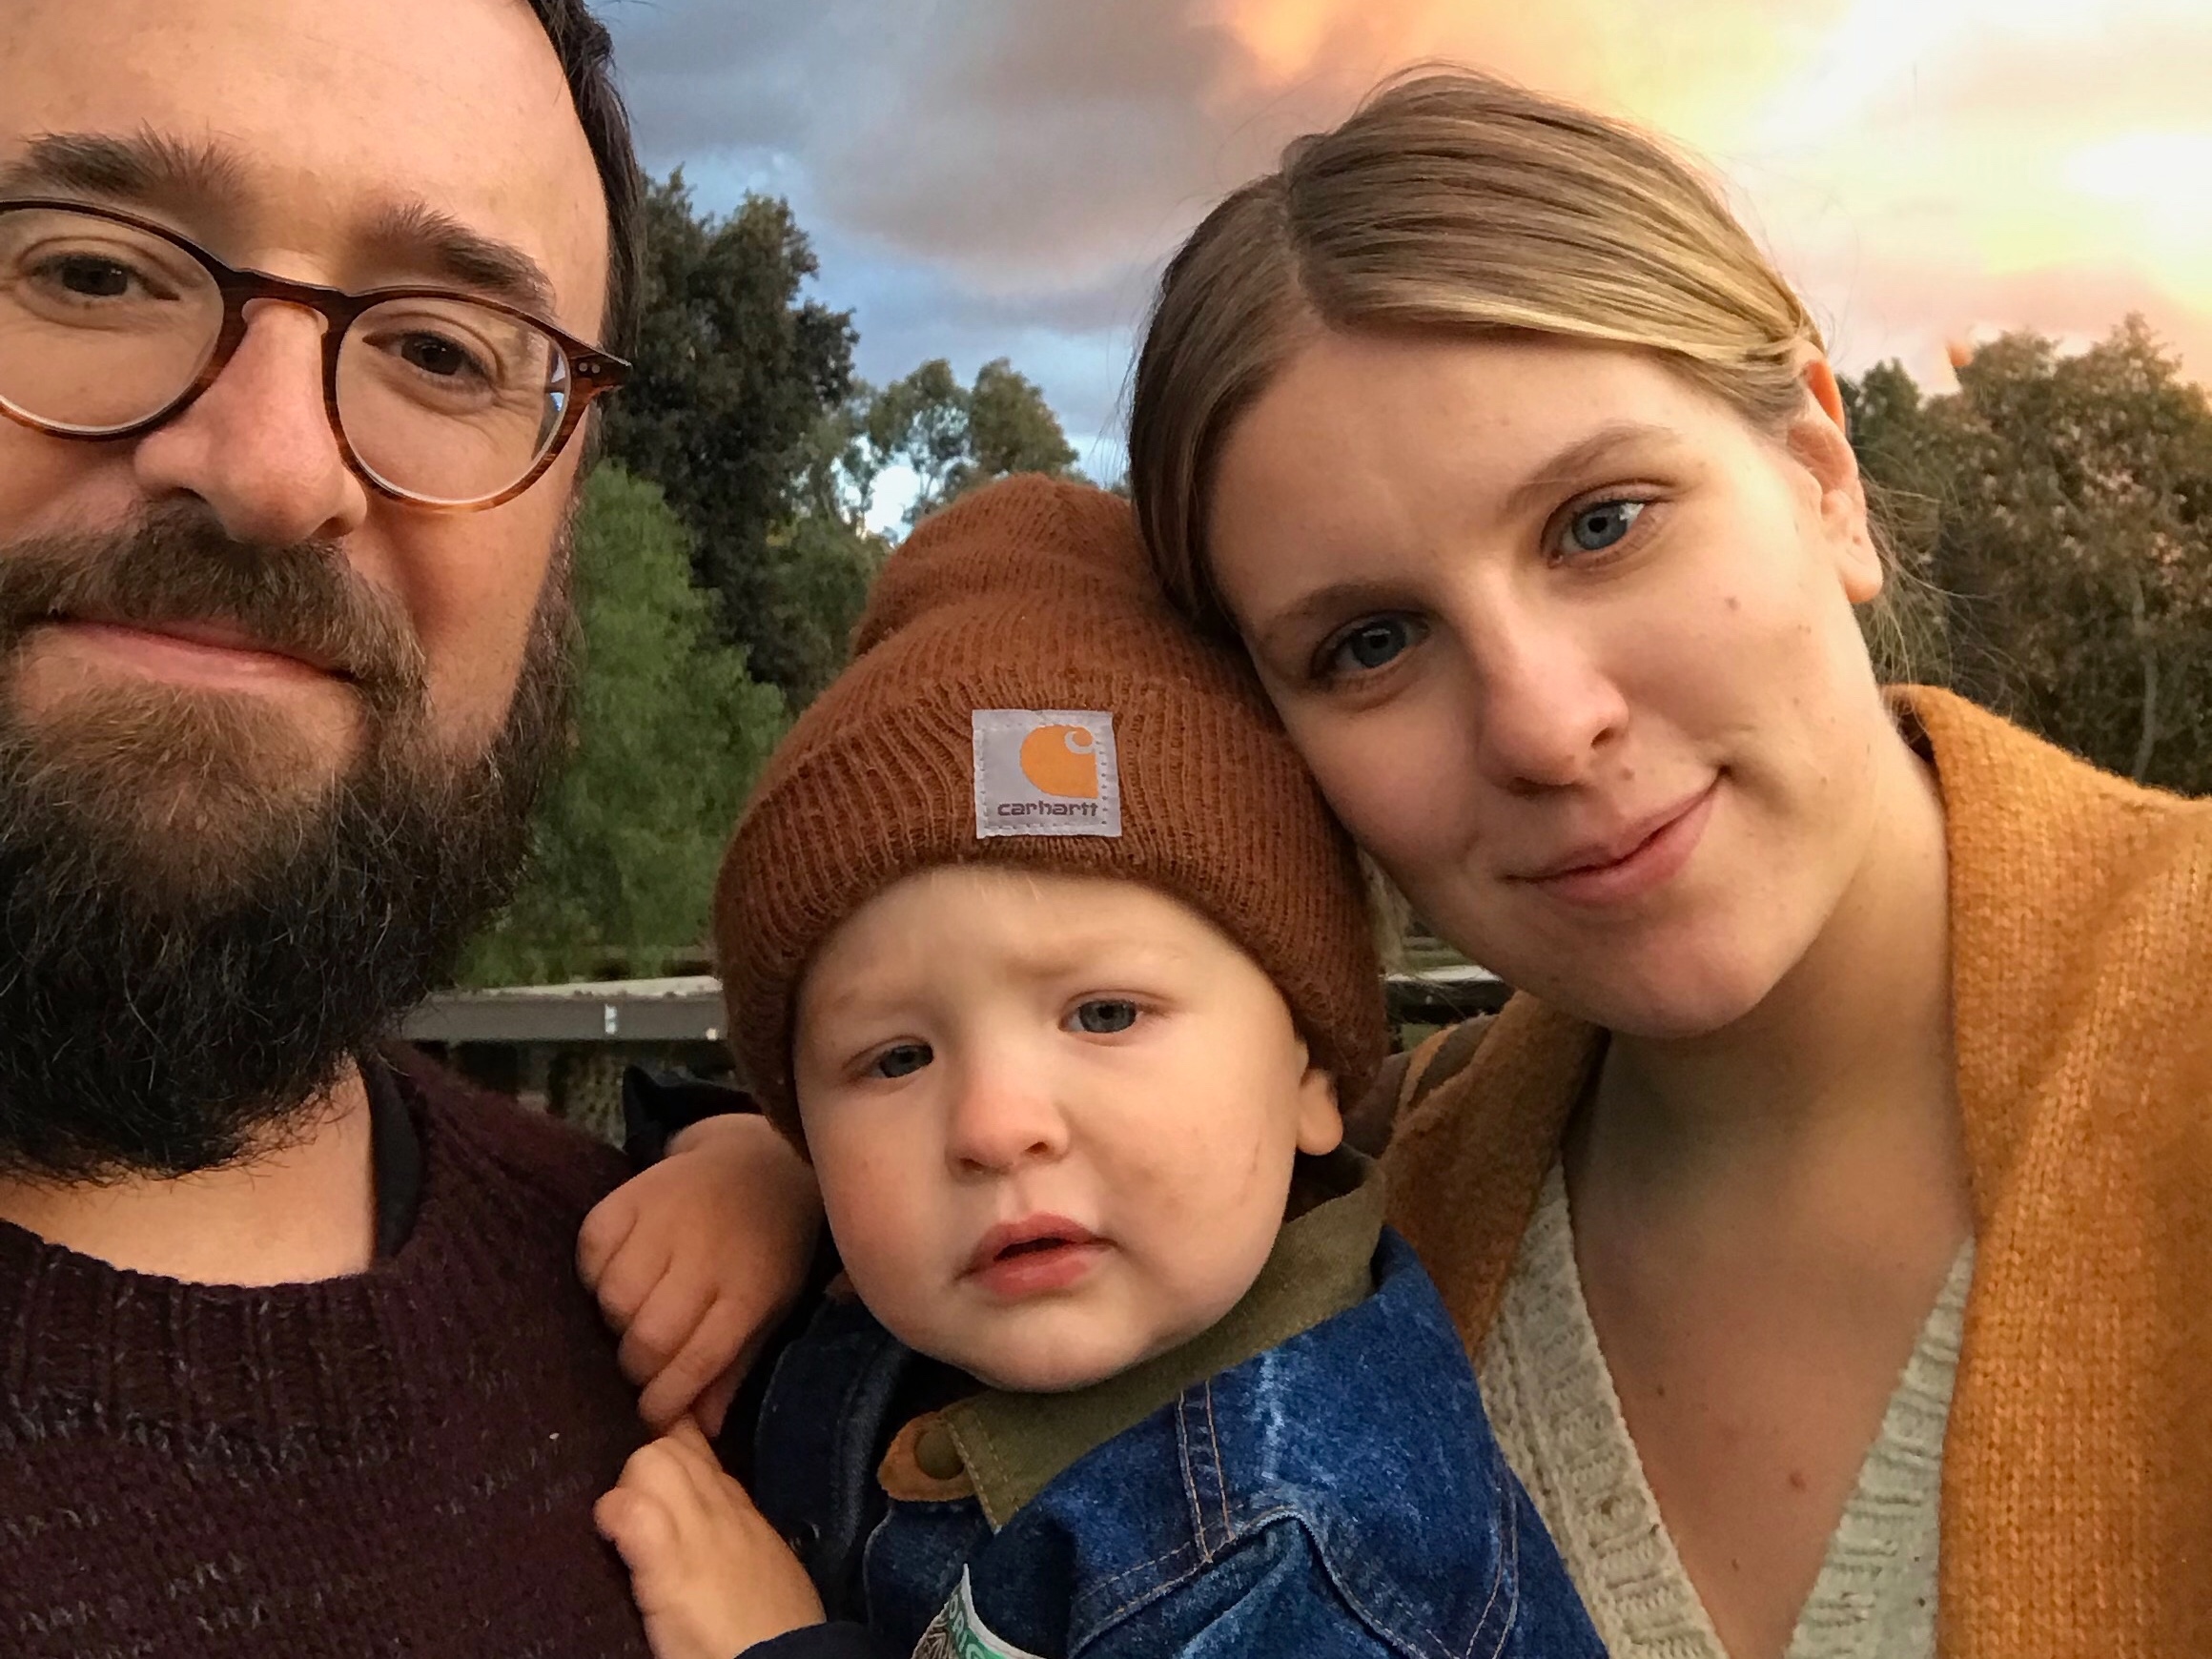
x=1011 y=1445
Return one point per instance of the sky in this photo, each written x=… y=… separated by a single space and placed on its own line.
x=987 y=179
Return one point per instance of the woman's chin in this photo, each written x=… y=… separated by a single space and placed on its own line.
x=1659 y=995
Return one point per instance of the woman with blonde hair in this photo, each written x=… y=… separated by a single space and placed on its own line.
x=1829 y=1212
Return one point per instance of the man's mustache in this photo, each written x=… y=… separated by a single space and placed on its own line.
x=175 y=565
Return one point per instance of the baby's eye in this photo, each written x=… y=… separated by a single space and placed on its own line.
x=1598 y=526
x=901 y=1061
x=1103 y=1016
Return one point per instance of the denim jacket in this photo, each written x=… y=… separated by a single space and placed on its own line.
x=1313 y=1476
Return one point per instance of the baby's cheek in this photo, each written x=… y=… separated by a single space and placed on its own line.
x=1213 y=1219
x=873 y=1213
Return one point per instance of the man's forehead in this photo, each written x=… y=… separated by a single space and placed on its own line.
x=308 y=131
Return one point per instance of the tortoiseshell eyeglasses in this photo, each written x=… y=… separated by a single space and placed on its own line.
x=111 y=325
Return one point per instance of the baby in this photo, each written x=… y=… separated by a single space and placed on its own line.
x=1038 y=941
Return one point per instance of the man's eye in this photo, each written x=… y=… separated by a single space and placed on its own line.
x=1598 y=526
x=82 y=278
x=901 y=1061
x=1367 y=646
x=440 y=358
x=1104 y=1017
x=92 y=279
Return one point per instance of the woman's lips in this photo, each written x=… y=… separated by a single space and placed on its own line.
x=1655 y=857
x=1034 y=1255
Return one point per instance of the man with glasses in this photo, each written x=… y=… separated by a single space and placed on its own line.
x=299 y=313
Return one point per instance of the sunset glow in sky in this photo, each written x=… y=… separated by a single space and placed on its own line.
x=1922 y=167
x=988 y=177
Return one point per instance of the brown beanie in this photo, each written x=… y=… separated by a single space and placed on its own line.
x=1020 y=693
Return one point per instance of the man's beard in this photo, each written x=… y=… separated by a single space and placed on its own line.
x=201 y=921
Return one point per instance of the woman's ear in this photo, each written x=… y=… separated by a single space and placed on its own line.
x=1321 y=1125
x=1819 y=441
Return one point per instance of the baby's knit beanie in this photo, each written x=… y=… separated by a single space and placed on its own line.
x=1021 y=694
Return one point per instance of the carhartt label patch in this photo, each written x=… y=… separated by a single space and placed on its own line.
x=1045 y=771
x=957 y=1633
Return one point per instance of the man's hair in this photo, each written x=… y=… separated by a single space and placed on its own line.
x=586 y=53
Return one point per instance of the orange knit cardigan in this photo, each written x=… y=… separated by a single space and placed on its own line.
x=2076 y=1501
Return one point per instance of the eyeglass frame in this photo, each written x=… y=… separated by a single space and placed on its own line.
x=592 y=372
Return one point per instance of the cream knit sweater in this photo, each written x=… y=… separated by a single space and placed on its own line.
x=1552 y=1405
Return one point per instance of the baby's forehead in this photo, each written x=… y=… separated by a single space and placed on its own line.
x=954 y=926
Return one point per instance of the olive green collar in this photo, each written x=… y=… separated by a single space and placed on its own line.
x=1013 y=1445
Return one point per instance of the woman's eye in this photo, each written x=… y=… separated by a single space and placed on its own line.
x=1599 y=526
x=901 y=1061
x=1374 y=644
x=1104 y=1017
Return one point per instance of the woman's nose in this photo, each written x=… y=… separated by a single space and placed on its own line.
x=1547 y=706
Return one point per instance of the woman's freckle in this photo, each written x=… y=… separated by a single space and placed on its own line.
x=1733 y=602
x=1796 y=1480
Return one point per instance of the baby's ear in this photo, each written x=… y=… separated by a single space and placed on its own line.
x=1320 y=1123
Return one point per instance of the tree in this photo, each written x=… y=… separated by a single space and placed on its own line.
x=670 y=732
x=735 y=374
x=957 y=439
x=2072 y=542
x=1908 y=627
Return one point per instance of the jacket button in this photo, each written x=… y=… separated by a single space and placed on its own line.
x=935 y=1455
x=802 y=1539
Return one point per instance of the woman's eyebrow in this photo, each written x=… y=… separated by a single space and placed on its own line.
x=1574 y=463
x=1327 y=605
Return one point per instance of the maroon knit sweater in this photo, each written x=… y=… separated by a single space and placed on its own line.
x=398 y=1462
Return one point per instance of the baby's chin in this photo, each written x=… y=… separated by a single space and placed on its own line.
x=1050 y=1367
x=1049 y=1357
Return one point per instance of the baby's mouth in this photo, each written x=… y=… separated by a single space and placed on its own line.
x=1032 y=1256
x=1031 y=1236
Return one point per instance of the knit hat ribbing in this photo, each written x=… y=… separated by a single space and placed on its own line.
x=1035 y=594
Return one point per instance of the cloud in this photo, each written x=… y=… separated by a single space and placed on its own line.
x=988 y=177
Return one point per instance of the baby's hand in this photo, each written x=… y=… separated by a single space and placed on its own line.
x=709 y=1575
x=696 y=1258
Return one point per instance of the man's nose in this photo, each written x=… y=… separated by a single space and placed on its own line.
x=1001 y=1118
x=259 y=446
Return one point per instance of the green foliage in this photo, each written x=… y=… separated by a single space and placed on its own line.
x=735 y=375
x=722 y=556
x=670 y=732
x=743 y=408
x=960 y=437
x=2065 y=526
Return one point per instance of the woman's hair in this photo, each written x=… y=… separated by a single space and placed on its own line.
x=1460 y=204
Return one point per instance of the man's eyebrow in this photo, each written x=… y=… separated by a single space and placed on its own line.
x=151 y=170
x=145 y=169
x=415 y=234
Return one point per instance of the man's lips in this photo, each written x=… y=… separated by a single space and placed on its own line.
x=197 y=649
x=1643 y=854
x=1035 y=1253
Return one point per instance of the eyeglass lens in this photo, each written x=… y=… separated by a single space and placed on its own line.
x=104 y=326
